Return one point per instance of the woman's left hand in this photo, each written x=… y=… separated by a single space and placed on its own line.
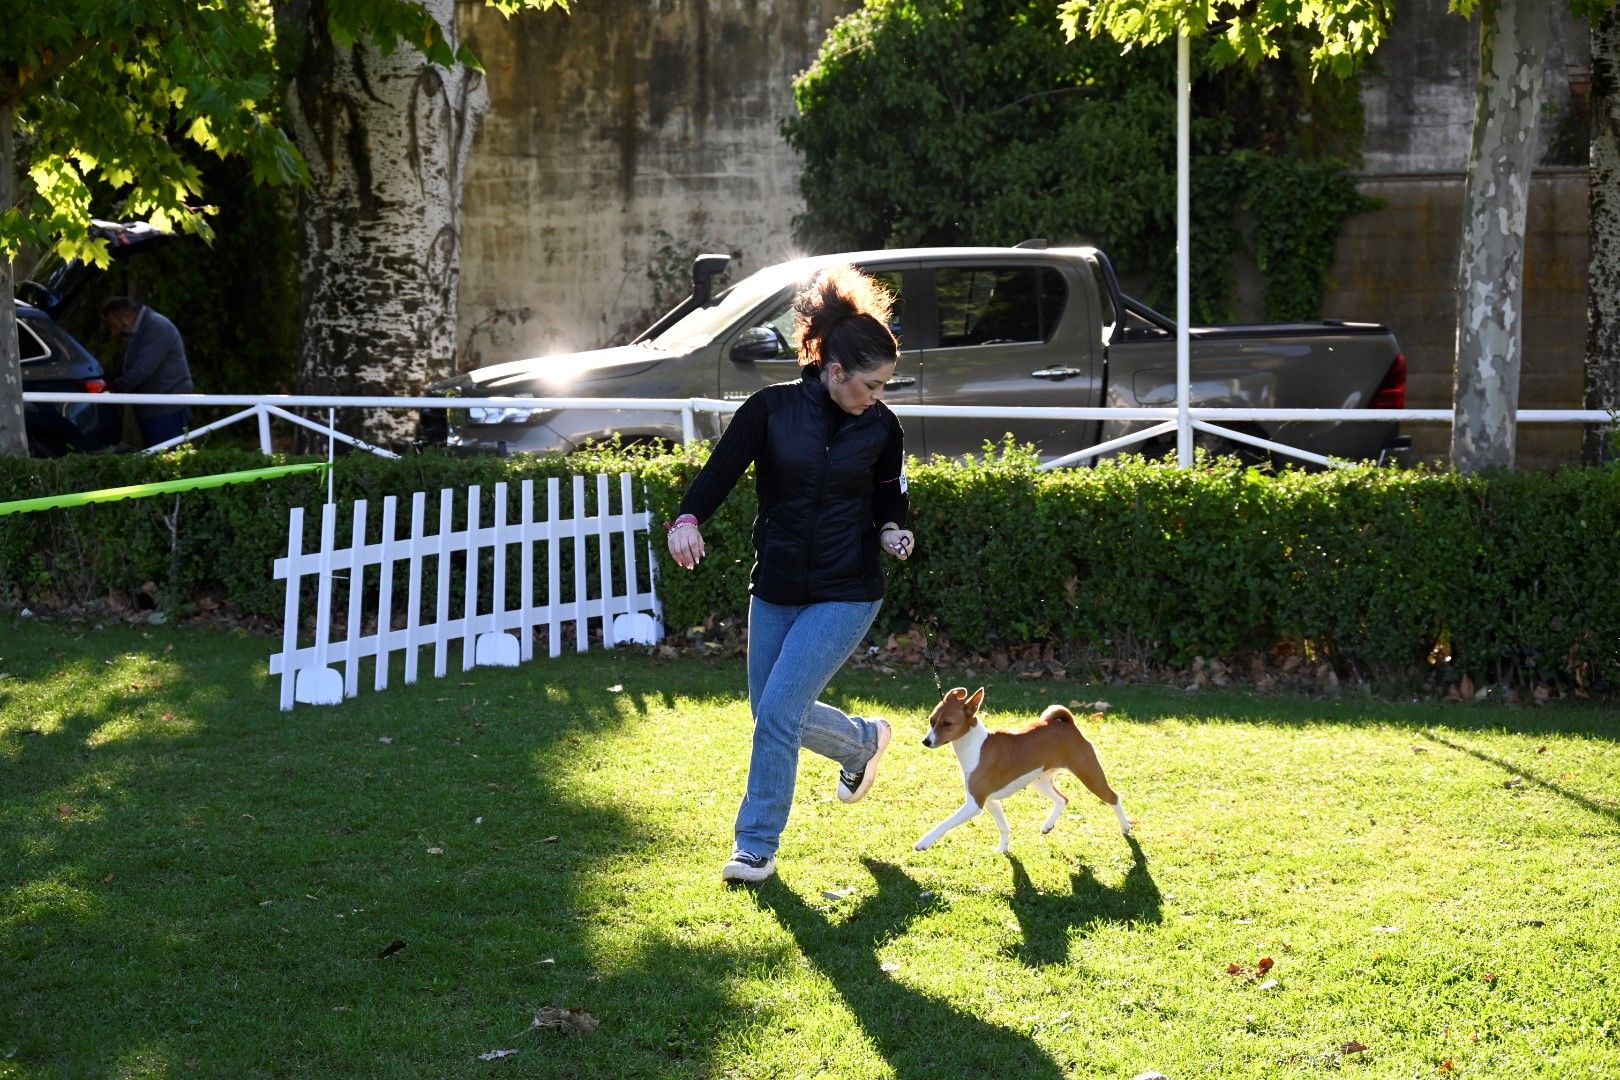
x=899 y=543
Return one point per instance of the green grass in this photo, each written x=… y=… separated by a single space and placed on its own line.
x=193 y=883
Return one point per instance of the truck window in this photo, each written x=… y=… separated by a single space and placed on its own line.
x=984 y=305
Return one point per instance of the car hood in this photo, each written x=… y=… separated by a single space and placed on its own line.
x=558 y=375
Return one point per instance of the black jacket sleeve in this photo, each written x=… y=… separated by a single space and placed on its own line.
x=889 y=499
x=740 y=445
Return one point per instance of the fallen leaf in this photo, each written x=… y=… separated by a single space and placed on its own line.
x=1513 y=782
x=1352 y=1047
x=435 y=851
x=616 y=688
x=64 y=811
x=385 y=739
x=393 y=947
x=1264 y=965
x=1445 y=1066
x=889 y=965
x=1234 y=969
x=1387 y=929
x=107 y=880
x=1420 y=749
x=838 y=894
x=1269 y=984
x=549 y=840
x=1541 y=749
x=1488 y=977
x=167 y=717
x=491 y=1055
x=571 y=1021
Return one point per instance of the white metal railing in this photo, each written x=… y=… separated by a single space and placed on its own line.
x=262 y=408
x=612 y=585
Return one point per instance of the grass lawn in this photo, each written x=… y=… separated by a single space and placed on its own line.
x=193 y=883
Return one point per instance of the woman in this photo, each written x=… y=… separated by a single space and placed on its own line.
x=828 y=466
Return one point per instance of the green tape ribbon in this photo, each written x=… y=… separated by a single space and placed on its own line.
x=161 y=487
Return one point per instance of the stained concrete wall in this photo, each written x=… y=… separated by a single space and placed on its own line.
x=620 y=137
x=1418 y=89
x=1398 y=265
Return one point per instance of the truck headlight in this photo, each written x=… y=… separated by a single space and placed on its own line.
x=505 y=414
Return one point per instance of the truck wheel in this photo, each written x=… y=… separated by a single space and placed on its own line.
x=1216 y=447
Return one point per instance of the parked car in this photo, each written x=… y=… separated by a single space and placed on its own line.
x=996 y=327
x=53 y=361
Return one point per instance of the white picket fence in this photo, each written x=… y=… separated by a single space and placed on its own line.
x=619 y=598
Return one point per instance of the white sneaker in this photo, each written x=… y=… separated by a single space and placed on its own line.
x=852 y=786
x=746 y=866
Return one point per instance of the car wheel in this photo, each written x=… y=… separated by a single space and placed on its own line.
x=46 y=446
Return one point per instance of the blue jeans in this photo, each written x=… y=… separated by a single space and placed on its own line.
x=157 y=429
x=793 y=653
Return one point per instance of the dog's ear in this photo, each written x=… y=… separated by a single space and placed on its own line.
x=956 y=693
x=971 y=706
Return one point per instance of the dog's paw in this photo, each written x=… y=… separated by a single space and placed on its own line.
x=921 y=845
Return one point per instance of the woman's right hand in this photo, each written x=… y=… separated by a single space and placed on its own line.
x=686 y=546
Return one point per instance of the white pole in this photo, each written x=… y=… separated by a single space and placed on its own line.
x=1184 y=429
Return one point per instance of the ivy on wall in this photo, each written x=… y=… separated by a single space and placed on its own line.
x=973 y=122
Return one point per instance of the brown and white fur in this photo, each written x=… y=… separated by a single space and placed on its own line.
x=996 y=764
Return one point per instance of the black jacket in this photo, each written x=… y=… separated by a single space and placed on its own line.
x=822 y=477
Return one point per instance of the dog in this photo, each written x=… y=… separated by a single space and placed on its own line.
x=996 y=764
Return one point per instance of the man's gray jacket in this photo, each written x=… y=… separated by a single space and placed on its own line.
x=154 y=363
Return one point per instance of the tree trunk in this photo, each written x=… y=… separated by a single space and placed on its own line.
x=1603 y=266
x=13 y=428
x=387 y=140
x=1496 y=202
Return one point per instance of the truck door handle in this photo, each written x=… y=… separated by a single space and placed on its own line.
x=1057 y=374
x=902 y=380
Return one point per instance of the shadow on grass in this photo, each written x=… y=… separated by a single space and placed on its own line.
x=1047 y=919
x=1529 y=777
x=216 y=890
x=921 y=1037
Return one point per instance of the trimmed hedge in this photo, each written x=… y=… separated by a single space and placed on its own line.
x=1513 y=576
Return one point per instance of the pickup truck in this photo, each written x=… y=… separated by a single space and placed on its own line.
x=997 y=327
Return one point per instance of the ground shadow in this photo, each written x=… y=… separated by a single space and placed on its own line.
x=1047 y=919
x=1529 y=777
x=920 y=1037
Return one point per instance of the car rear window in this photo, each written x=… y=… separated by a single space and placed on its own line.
x=29 y=347
x=985 y=305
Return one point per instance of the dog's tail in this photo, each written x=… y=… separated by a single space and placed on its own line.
x=1057 y=714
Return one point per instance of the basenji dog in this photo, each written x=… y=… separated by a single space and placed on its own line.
x=996 y=764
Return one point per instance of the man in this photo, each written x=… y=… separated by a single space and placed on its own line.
x=154 y=363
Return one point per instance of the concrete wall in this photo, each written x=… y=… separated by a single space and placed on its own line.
x=1398 y=265
x=615 y=131
x=1418 y=90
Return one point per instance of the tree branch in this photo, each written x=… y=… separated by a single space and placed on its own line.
x=27 y=81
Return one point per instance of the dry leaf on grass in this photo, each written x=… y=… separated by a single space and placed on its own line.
x=571 y=1021
x=1352 y=1047
x=492 y=1055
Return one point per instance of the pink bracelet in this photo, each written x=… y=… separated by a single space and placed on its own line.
x=680 y=523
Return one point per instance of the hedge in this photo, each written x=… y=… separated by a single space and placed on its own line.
x=1508 y=578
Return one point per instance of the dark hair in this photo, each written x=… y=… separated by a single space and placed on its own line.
x=842 y=317
x=120 y=305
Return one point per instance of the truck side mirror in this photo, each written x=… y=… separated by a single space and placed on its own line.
x=757 y=343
